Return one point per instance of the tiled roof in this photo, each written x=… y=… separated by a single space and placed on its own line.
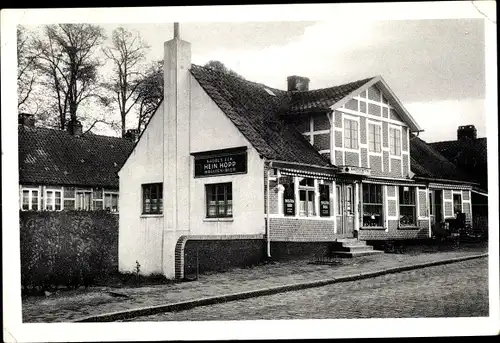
x=322 y=99
x=48 y=156
x=470 y=155
x=426 y=162
x=255 y=112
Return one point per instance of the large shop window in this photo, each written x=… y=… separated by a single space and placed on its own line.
x=457 y=203
x=407 y=208
x=53 y=200
x=219 y=200
x=29 y=199
x=307 y=197
x=374 y=138
x=395 y=141
x=152 y=198
x=351 y=134
x=372 y=205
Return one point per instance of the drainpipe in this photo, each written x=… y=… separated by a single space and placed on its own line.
x=268 y=240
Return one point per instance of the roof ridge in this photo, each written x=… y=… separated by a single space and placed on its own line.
x=336 y=86
x=86 y=134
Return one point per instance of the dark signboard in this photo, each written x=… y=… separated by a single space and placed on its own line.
x=289 y=206
x=223 y=164
x=324 y=208
x=288 y=197
x=324 y=201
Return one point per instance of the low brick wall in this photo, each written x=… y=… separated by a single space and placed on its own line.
x=395 y=232
x=302 y=230
x=299 y=250
x=217 y=253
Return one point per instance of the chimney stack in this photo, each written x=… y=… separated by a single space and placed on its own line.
x=26 y=119
x=297 y=83
x=466 y=132
x=75 y=128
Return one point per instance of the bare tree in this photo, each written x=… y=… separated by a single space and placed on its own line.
x=27 y=73
x=126 y=53
x=69 y=66
x=149 y=94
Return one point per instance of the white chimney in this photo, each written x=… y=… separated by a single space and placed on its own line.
x=176 y=137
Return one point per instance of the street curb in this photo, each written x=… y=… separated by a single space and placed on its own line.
x=186 y=305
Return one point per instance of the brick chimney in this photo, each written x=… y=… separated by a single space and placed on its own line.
x=75 y=128
x=132 y=134
x=297 y=83
x=26 y=119
x=466 y=132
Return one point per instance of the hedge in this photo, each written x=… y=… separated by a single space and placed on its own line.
x=67 y=248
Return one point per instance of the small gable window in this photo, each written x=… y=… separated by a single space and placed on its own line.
x=152 y=198
x=350 y=134
x=395 y=141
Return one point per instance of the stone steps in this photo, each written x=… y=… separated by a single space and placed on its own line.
x=352 y=247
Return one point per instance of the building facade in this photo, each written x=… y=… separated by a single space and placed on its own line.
x=226 y=161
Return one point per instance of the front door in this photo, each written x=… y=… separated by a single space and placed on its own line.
x=345 y=196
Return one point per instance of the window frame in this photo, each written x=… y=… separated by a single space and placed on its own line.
x=377 y=148
x=53 y=202
x=308 y=191
x=393 y=142
x=77 y=199
x=364 y=203
x=413 y=205
x=30 y=191
x=461 y=203
x=431 y=202
x=105 y=193
x=352 y=131
x=158 y=198
x=226 y=205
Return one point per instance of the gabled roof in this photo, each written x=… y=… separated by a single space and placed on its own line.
x=332 y=98
x=49 y=156
x=470 y=155
x=426 y=162
x=255 y=112
x=319 y=100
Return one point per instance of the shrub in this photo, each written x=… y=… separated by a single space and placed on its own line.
x=67 y=248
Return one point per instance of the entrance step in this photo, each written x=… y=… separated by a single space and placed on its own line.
x=352 y=247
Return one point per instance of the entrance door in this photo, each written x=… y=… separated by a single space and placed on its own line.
x=345 y=196
x=438 y=208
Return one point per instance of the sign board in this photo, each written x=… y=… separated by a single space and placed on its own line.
x=354 y=170
x=324 y=208
x=289 y=206
x=224 y=164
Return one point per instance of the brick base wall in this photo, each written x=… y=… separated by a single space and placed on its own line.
x=217 y=253
x=301 y=230
x=395 y=232
x=299 y=250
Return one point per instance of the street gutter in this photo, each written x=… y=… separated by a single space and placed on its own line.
x=189 y=304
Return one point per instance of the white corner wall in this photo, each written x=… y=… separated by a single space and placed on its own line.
x=140 y=237
x=211 y=129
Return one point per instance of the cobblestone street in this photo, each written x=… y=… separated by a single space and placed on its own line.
x=453 y=290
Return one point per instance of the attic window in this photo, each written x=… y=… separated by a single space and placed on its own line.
x=270 y=92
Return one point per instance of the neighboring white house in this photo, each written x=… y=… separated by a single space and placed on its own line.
x=227 y=167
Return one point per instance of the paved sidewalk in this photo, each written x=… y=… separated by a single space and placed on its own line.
x=69 y=306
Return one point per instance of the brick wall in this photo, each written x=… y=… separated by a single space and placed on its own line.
x=321 y=122
x=405 y=165
x=351 y=158
x=385 y=134
x=422 y=202
x=322 y=141
x=385 y=161
x=391 y=191
x=364 y=157
x=404 y=138
x=303 y=124
x=466 y=209
x=448 y=209
x=301 y=230
x=338 y=157
x=392 y=208
x=338 y=139
x=362 y=130
x=376 y=165
x=338 y=119
x=447 y=194
x=297 y=250
x=394 y=232
x=466 y=195
x=395 y=167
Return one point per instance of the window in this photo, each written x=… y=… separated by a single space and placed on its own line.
x=53 y=200
x=219 y=200
x=457 y=203
x=307 y=197
x=374 y=137
x=83 y=200
x=29 y=199
x=372 y=205
x=395 y=141
x=407 y=206
x=339 y=200
x=152 y=198
x=351 y=134
x=111 y=202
